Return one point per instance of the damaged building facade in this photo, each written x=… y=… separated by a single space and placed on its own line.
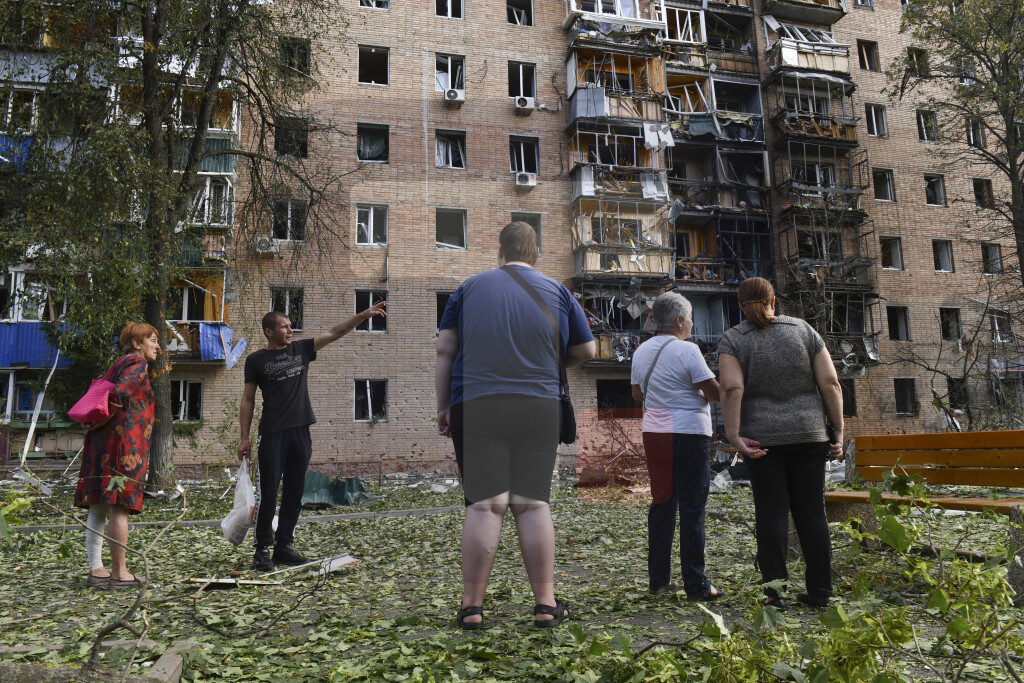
x=655 y=145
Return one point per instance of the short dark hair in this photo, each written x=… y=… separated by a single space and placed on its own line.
x=270 y=320
x=518 y=242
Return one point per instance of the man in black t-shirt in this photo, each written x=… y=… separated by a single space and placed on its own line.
x=284 y=447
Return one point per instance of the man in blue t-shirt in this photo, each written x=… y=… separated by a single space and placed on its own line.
x=498 y=389
x=284 y=447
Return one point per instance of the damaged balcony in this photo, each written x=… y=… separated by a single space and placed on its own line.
x=716 y=179
x=630 y=15
x=847 y=320
x=818 y=176
x=587 y=33
x=713 y=313
x=612 y=160
x=823 y=254
x=615 y=85
x=615 y=239
x=712 y=252
x=730 y=42
x=732 y=112
x=619 y=317
x=813 y=106
x=685 y=39
x=804 y=47
x=197 y=315
x=811 y=11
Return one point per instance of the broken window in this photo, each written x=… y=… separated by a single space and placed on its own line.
x=864 y=4
x=818 y=245
x=975 y=133
x=376 y=4
x=450 y=228
x=881 y=178
x=532 y=219
x=24 y=298
x=289 y=219
x=615 y=399
x=62 y=115
x=906 y=395
x=521 y=79
x=452 y=9
x=892 y=253
x=917 y=62
x=814 y=173
x=288 y=300
x=927 y=126
x=371 y=400
x=523 y=155
x=942 y=250
x=364 y=300
x=520 y=12
x=373 y=65
x=371 y=142
x=1000 y=323
x=371 y=224
x=991 y=259
x=450 y=149
x=295 y=55
x=899 y=322
x=186 y=304
x=849 y=397
x=934 y=190
x=214 y=200
x=967 y=72
x=983 y=197
x=449 y=72
x=949 y=323
x=291 y=136
x=17 y=110
x=441 y=303
x=868 y=51
x=874 y=116
x=956 y=391
x=186 y=400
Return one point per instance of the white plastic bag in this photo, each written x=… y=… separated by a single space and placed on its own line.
x=236 y=525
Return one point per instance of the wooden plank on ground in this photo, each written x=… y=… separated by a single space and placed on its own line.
x=960 y=476
x=944 y=458
x=1002 y=506
x=1006 y=439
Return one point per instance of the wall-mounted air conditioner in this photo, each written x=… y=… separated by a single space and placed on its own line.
x=525 y=181
x=524 y=105
x=268 y=245
x=454 y=97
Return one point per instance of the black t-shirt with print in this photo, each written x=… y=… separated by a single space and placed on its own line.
x=281 y=376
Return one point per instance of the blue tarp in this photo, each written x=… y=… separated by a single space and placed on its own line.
x=14 y=149
x=215 y=343
x=25 y=343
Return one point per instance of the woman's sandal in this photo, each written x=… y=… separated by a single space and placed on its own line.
x=560 y=612
x=94 y=581
x=468 y=612
x=710 y=594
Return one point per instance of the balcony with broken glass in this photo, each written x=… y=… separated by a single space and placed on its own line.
x=618 y=160
x=616 y=239
x=628 y=15
x=730 y=41
x=811 y=11
x=849 y=322
x=809 y=105
x=613 y=85
x=684 y=42
x=716 y=252
x=799 y=46
x=619 y=317
x=819 y=253
x=814 y=176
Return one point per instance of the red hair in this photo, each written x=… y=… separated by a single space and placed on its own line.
x=755 y=295
x=135 y=332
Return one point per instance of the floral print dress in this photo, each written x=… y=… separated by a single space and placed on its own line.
x=120 y=448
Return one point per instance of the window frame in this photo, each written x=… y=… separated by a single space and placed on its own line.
x=369 y=50
x=287 y=54
x=872 y=120
x=204 y=203
x=382 y=5
x=8 y=108
x=294 y=137
x=918 y=63
x=377 y=324
x=849 y=393
x=523 y=150
x=372 y=211
x=927 y=126
x=184 y=386
x=290 y=228
x=868 y=57
x=986 y=259
x=890 y=184
x=898 y=242
x=900 y=315
x=453 y=64
x=1001 y=326
x=186 y=304
x=987 y=199
x=940 y=186
x=368 y=387
x=289 y=307
x=365 y=129
x=947 y=247
x=455 y=140
x=529 y=14
x=464 y=214
x=438 y=307
x=450 y=4
x=912 y=386
x=512 y=64
x=950 y=316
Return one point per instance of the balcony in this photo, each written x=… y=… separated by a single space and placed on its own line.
x=807 y=11
x=585 y=32
x=595 y=261
x=818 y=176
x=733 y=61
x=722 y=125
x=815 y=126
x=813 y=56
x=596 y=181
x=630 y=14
x=694 y=195
x=685 y=56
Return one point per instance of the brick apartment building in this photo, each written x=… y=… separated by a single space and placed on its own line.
x=654 y=144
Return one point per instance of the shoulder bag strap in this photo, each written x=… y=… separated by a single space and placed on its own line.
x=113 y=371
x=521 y=281
x=647 y=379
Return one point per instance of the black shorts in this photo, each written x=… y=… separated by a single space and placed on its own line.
x=506 y=443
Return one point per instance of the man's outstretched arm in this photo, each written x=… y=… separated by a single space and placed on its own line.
x=341 y=329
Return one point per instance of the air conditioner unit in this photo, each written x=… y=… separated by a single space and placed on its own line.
x=525 y=181
x=268 y=245
x=454 y=97
x=524 y=105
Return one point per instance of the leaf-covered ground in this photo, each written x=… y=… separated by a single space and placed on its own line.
x=391 y=616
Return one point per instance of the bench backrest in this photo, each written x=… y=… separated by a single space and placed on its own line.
x=963 y=458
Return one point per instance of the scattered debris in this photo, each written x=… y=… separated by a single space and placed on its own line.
x=32 y=480
x=210 y=583
x=327 y=565
x=330 y=491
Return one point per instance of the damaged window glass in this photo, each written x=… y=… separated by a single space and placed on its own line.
x=452 y=9
x=373 y=65
x=521 y=79
x=186 y=400
x=288 y=301
x=289 y=219
x=372 y=225
x=450 y=150
x=371 y=142
x=450 y=230
x=371 y=400
x=449 y=72
x=375 y=4
x=291 y=136
x=520 y=12
x=523 y=155
x=364 y=300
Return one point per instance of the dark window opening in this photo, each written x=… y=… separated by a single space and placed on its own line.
x=377 y=323
x=289 y=219
x=868 y=52
x=520 y=13
x=450 y=228
x=372 y=142
x=441 y=304
x=521 y=79
x=295 y=55
x=373 y=65
x=983 y=197
x=291 y=136
x=899 y=323
x=849 y=397
x=991 y=259
x=942 y=250
x=949 y=323
x=289 y=302
x=892 y=254
x=917 y=62
x=956 y=390
x=906 y=396
x=371 y=400
x=524 y=155
x=615 y=400
x=186 y=400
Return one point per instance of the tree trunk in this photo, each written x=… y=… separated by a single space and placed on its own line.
x=161 y=445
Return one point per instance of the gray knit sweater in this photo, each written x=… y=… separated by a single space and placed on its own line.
x=781 y=404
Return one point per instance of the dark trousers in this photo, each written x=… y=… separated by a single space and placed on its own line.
x=679 y=465
x=791 y=479
x=281 y=455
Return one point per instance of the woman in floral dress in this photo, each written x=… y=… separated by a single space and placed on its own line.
x=116 y=456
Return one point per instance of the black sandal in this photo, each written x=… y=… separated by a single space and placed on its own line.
x=560 y=612
x=710 y=594
x=468 y=612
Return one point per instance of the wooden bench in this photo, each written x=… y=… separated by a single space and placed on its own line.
x=994 y=459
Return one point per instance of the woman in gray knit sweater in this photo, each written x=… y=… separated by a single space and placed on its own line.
x=778 y=381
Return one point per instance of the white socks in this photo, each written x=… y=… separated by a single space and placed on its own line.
x=95 y=525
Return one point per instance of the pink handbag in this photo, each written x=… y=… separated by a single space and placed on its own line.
x=95 y=405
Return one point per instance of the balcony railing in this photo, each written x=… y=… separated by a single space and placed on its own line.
x=685 y=55
x=597 y=260
x=694 y=194
x=704 y=270
x=736 y=61
x=724 y=125
x=816 y=56
x=809 y=11
x=833 y=128
x=619 y=182
x=735 y=3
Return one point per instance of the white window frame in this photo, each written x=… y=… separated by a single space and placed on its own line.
x=445 y=66
x=449 y=145
x=805 y=34
x=368 y=221
x=384 y=5
x=523 y=68
x=289 y=303
x=185 y=310
x=204 y=203
x=940 y=188
x=898 y=254
x=975 y=133
x=927 y=126
x=990 y=193
x=363 y=384
x=523 y=151
x=945 y=258
x=7 y=387
x=875 y=118
x=185 y=386
x=465 y=237
x=890 y=183
x=451 y=6
x=691 y=29
x=372 y=49
x=291 y=203
x=375 y=324
x=1001 y=326
x=523 y=17
x=7 y=109
x=24 y=291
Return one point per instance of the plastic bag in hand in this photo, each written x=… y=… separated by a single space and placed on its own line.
x=236 y=525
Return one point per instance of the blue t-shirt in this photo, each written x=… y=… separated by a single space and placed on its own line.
x=506 y=343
